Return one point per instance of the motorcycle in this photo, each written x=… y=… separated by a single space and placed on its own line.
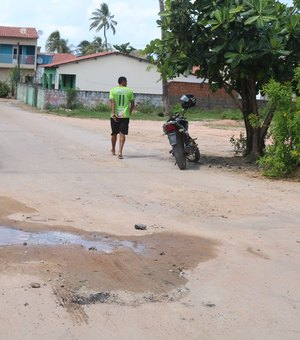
x=183 y=145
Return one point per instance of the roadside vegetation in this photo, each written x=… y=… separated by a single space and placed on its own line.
x=146 y=111
x=4 y=89
x=239 y=45
x=282 y=156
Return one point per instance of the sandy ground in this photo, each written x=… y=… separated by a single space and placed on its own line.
x=219 y=258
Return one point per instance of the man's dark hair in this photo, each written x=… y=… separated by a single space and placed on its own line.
x=121 y=80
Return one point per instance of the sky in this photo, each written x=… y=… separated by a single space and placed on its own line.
x=136 y=19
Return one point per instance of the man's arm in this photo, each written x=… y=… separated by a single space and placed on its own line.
x=113 y=109
x=131 y=106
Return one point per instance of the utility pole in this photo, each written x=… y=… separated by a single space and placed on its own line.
x=18 y=63
x=17 y=77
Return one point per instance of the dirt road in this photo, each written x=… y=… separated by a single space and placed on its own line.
x=219 y=258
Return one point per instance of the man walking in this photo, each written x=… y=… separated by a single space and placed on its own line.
x=122 y=104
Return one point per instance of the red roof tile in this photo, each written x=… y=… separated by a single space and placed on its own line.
x=91 y=56
x=75 y=59
x=18 y=32
x=61 y=57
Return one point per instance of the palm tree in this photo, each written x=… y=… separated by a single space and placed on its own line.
x=57 y=44
x=82 y=47
x=124 y=48
x=101 y=18
x=86 y=47
x=97 y=45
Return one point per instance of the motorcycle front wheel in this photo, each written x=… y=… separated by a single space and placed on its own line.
x=179 y=154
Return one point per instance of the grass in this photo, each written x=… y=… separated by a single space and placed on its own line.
x=198 y=115
x=193 y=114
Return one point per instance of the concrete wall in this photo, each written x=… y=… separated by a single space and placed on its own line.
x=58 y=98
x=43 y=99
x=4 y=74
x=15 y=41
x=27 y=94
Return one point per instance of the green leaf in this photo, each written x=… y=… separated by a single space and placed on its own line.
x=235 y=61
x=294 y=21
x=213 y=22
x=251 y=20
x=218 y=49
x=250 y=12
x=236 y=9
x=284 y=53
x=268 y=18
x=241 y=45
x=260 y=22
x=230 y=55
x=218 y=15
x=215 y=27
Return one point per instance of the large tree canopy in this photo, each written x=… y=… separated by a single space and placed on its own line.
x=239 y=45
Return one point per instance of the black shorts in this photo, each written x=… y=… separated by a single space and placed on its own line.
x=120 y=126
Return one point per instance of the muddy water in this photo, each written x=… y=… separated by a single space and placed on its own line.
x=148 y=262
x=13 y=237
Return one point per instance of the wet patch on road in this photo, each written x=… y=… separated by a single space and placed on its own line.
x=14 y=237
x=88 y=267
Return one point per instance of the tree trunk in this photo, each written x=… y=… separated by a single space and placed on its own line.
x=255 y=136
x=105 y=38
x=165 y=95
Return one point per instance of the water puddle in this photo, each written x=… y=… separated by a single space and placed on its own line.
x=14 y=237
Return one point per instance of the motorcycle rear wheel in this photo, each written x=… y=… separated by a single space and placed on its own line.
x=179 y=154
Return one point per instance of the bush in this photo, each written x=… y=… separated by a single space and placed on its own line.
x=147 y=107
x=72 y=101
x=282 y=157
x=4 y=89
x=102 y=107
x=49 y=106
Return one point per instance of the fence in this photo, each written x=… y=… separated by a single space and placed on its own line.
x=28 y=59
x=45 y=99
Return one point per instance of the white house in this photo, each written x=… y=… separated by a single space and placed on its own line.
x=100 y=72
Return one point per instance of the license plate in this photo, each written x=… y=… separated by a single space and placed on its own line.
x=172 y=138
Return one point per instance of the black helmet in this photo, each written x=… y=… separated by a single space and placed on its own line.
x=187 y=101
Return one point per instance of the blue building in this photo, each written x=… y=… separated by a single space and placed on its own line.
x=18 y=49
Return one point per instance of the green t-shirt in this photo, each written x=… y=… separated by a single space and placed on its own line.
x=122 y=97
